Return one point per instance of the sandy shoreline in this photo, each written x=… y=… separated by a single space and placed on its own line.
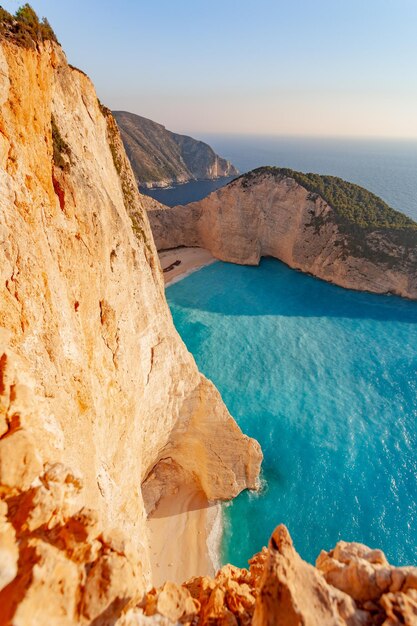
x=185 y=533
x=185 y=529
x=178 y=263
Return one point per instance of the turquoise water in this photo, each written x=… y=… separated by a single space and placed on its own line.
x=325 y=379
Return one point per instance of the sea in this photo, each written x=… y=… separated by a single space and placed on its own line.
x=385 y=167
x=323 y=377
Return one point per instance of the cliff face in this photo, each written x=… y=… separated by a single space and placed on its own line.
x=265 y=214
x=160 y=157
x=96 y=386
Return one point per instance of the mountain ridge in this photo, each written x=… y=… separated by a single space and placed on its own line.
x=160 y=157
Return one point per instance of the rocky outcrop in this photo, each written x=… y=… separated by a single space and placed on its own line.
x=96 y=387
x=292 y=592
x=351 y=585
x=366 y=576
x=269 y=213
x=160 y=157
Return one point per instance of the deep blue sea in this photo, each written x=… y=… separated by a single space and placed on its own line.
x=326 y=380
x=386 y=167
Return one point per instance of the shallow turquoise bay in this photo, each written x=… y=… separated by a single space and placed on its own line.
x=325 y=379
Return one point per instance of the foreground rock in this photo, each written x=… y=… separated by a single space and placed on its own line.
x=160 y=158
x=362 y=244
x=96 y=387
x=351 y=585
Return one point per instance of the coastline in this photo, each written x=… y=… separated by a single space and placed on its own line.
x=185 y=529
x=177 y=263
x=185 y=535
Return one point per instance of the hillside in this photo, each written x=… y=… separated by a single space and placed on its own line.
x=352 y=204
x=160 y=157
x=104 y=416
x=321 y=225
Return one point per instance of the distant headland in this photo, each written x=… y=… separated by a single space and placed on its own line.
x=161 y=158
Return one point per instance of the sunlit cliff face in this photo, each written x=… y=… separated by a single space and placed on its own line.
x=261 y=214
x=96 y=385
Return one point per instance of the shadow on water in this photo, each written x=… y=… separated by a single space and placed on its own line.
x=282 y=292
x=187 y=192
x=327 y=390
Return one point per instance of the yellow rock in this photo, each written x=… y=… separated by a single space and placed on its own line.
x=96 y=387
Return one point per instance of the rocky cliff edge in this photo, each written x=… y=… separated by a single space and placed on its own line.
x=363 y=244
x=351 y=585
x=96 y=387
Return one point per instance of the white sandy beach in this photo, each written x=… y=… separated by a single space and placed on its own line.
x=190 y=260
x=185 y=532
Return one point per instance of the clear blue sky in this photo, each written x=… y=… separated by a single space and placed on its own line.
x=317 y=67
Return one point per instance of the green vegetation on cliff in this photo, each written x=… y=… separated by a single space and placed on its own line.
x=130 y=194
x=25 y=28
x=352 y=204
x=60 y=147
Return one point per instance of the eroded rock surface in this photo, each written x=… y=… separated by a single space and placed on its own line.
x=98 y=396
x=384 y=590
x=352 y=585
x=96 y=387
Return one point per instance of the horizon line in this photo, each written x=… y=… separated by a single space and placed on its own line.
x=412 y=139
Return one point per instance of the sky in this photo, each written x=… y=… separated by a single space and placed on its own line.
x=273 y=67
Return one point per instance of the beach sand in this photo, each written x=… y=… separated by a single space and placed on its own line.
x=185 y=528
x=185 y=533
x=190 y=260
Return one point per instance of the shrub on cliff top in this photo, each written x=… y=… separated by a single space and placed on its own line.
x=352 y=204
x=25 y=28
x=27 y=15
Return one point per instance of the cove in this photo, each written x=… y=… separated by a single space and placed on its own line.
x=326 y=380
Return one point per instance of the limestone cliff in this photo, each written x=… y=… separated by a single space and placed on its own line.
x=160 y=157
x=101 y=405
x=360 y=244
x=96 y=387
x=351 y=585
